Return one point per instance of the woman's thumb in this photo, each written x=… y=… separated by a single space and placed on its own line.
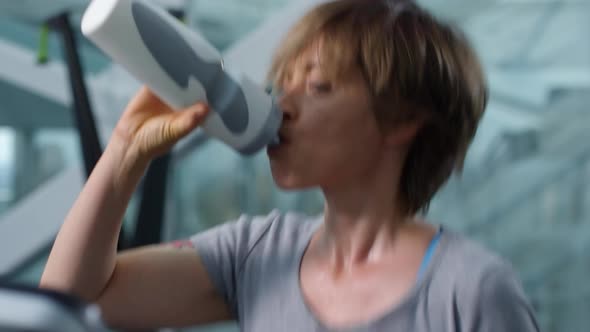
x=188 y=119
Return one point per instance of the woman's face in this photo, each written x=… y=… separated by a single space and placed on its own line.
x=329 y=133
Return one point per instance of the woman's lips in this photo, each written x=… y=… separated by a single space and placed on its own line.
x=282 y=138
x=283 y=141
x=277 y=140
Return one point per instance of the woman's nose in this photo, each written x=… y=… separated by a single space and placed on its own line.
x=287 y=101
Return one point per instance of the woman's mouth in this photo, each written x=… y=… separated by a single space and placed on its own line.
x=278 y=144
x=282 y=138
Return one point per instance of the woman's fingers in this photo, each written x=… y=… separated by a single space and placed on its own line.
x=144 y=100
x=187 y=120
x=151 y=127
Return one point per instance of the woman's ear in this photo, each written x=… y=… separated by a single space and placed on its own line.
x=403 y=133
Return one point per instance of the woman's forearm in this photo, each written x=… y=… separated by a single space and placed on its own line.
x=83 y=256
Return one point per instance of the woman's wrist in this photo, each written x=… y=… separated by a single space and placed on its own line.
x=127 y=163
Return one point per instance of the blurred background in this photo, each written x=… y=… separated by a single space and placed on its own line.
x=525 y=190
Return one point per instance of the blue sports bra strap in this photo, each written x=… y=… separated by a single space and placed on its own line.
x=429 y=252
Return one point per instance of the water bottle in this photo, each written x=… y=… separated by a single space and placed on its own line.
x=181 y=67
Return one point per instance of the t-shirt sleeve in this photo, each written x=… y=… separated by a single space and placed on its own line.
x=501 y=305
x=223 y=251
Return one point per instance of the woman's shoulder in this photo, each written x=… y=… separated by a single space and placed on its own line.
x=287 y=230
x=461 y=252
x=474 y=271
x=481 y=285
x=272 y=232
x=275 y=240
x=294 y=223
x=249 y=231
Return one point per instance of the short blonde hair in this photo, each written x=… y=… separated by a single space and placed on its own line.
x=416 y=67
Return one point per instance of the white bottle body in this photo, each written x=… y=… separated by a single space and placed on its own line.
x=133 y=34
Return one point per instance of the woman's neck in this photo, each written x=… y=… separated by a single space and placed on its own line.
x=362 y=220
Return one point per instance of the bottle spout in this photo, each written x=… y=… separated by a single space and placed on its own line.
x=268 y=135
x=275 y=141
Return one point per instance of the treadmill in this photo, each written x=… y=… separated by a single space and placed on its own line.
x=28 y=309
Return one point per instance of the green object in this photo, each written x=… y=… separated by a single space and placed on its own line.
x=43 y=52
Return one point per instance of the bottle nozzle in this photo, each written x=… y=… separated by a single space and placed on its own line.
x=275 y=141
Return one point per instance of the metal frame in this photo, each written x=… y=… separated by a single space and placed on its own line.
x=84 y=119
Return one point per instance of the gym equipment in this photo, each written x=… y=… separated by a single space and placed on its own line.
x=27 y=309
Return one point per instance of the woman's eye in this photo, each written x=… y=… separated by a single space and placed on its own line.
x=274 y=91
x=323 y=87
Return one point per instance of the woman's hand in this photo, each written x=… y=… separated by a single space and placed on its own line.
x=149 y=128
x=153 y=286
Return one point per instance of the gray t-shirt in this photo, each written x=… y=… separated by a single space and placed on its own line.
x=254 y=264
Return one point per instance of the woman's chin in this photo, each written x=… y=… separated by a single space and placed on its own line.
x=289 y=182
x=286 y=184
x=287 y=177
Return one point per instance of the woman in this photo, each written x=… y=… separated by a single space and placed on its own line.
x=380 y=102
